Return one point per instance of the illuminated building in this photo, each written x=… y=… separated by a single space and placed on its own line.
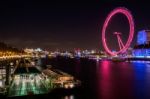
x=143 y=37
x=142 y=49
x=29 y=51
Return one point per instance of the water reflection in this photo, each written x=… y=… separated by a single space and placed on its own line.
x=142 y=80
x=104 y=80
x=110 y=80
x=122 y=80
x=69 y=97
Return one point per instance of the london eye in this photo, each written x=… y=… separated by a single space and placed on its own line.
x=122 y=46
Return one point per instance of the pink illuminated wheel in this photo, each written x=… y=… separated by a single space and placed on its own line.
x=123 y=47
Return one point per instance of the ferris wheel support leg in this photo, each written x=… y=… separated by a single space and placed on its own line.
x=119 y=42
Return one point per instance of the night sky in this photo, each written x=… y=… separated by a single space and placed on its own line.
x=66 y=25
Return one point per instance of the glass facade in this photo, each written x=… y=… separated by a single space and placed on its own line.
x=142 y=49
x=141 y=52
x=141 y=37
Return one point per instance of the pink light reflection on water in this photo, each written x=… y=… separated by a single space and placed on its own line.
x=115 y=80
x=104 y=81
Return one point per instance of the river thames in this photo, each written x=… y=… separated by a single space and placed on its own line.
x=106 y=79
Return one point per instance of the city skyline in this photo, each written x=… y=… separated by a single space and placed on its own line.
x=65 y=25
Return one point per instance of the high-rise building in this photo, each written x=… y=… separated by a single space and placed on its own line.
x=143 y=37
x=142 y=48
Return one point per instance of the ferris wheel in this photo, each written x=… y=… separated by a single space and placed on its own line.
x=122 y=47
